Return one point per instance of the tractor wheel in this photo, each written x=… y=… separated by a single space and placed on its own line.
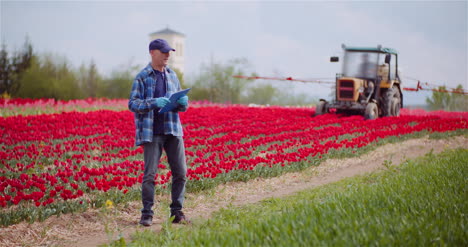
x=396 y=105
x=372 y=111
x=321 y=108
x=391 y=102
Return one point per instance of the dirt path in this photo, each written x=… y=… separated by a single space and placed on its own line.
x=89 y=228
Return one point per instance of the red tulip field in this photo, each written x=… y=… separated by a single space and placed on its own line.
x=67 y=160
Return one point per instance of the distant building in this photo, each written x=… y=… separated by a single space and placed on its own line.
x=177 y=41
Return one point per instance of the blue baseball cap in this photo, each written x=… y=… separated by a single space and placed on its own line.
x=160 y=44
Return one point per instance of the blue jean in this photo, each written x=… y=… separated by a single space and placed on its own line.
x=175 y=151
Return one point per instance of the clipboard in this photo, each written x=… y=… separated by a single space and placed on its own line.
x=173 y=101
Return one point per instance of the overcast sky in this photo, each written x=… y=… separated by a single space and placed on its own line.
x=279 y=38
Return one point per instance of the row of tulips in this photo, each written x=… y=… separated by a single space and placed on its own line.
x=18 y=106
x=11 y=107
x=56 y=158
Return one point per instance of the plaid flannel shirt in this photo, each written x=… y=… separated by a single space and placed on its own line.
x=143 y=104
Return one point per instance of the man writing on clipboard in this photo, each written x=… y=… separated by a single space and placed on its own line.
x=159 y=131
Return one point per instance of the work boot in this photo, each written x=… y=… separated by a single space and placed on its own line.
x=146 y=220
x=179 y=218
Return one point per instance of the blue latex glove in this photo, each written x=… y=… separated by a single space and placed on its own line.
x=161 y=102
x=183 y=100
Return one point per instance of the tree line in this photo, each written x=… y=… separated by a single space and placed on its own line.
x=441 y=100
x=25 y=74
x=216 y=83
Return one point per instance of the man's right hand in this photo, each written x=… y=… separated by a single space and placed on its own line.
x=161 y=102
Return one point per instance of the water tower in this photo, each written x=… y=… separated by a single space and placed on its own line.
x=177 y=41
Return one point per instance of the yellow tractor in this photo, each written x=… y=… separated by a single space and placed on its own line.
x=369 y=83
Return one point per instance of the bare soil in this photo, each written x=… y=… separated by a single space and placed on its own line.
x=98 y=226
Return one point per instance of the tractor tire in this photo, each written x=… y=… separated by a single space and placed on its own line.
x=321 y=108
x=372 y=111
x=391 y=102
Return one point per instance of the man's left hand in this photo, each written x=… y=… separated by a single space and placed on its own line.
x=183 y=100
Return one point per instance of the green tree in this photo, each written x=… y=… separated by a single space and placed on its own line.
x=180 y=75
x=443 y=100
x=49 y=77
x=459 y=100
x=217 y=84
x=90 y=81
x=289 y=99
x=263 y=94
x=439 y=100
x=5 y=70
x=13 y=68
x=119 y=84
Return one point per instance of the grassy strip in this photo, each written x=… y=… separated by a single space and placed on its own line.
x=419 y=203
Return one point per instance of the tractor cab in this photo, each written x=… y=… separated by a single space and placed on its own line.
x=369 y=65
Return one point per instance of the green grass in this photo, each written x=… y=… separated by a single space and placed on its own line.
x=419 y=203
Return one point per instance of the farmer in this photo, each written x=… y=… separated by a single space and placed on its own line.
x=158 y=132
x=367 y=68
